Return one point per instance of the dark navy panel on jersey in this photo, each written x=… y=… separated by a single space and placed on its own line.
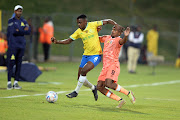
x=16 y=38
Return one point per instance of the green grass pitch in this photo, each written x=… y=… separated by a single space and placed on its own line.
x=157 y=96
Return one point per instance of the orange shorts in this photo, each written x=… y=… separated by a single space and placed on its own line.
x=111 y=72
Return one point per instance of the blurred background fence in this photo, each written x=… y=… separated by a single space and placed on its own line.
x=65 y=25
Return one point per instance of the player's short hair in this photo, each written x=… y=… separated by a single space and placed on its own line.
x=82 y=16
x=121 y=28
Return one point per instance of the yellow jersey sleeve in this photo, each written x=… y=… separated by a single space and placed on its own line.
x=97 y=23
x=75 y=35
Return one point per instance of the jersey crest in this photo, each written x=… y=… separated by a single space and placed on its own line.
x=12 y=57
x=22 y=24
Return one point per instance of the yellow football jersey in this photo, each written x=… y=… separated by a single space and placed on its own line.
x=90 y=38
x=178 y=62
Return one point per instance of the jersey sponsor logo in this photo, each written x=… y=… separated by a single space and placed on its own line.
x=22 y=24
x=12 y=57
x=95 y=59
x=86 y=31
x=88 y=37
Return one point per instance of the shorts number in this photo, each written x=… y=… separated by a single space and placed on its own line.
x=112 y=72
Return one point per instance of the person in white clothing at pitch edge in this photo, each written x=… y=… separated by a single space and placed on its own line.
x=136 y=38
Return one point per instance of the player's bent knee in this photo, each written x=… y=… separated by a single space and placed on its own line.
x=83 y=72
x=100 y=88
x=85 y=83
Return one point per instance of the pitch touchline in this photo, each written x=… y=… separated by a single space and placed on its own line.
x=153 y=84
x=159 y=99
x=129 y=86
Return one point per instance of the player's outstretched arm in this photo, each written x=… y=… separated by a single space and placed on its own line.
x=65 y=41
x=109 y=21
x=126 y=33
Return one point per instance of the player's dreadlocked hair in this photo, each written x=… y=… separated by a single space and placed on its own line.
x=82 y=16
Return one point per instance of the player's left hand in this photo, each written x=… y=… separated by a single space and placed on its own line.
x=127 y=31
x=26 y=28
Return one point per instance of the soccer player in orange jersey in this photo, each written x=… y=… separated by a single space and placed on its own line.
x=111 y=67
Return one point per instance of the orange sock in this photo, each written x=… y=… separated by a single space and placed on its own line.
x=115 y=97
x=112 y=96
x=122 y=90
x=126 y=92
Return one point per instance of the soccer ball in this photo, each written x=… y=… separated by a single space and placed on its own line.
x=51 y=96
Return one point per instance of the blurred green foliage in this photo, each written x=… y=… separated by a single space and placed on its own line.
x=145 y=8
x=64 y=12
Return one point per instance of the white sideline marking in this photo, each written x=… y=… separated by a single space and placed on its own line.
x=130 y=86
x=59 y=92
x=153 y=84
x=159 y=99
x=55 y=83
x=15 y=96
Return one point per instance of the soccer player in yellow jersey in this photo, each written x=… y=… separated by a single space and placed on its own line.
x=87 y=31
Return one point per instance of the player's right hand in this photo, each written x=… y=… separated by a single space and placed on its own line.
x=99 y=28
x=127 y=31
x=53 y=39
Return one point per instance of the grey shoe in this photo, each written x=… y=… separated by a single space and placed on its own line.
x=9 y=86
x=121 y=103
x=16 y=86
x=131 y=97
